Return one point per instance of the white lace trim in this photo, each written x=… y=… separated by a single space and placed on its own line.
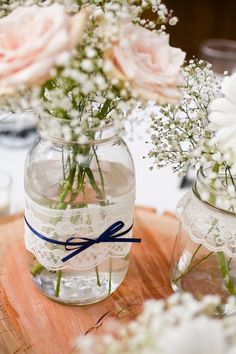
x=207 y=226
x=85 y=222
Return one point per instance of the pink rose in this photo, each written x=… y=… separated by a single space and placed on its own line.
x=33 y=40
x=148 y=62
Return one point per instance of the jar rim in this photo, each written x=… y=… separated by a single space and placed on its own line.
x=209 y=205
x=51 y=128
x=203 y=174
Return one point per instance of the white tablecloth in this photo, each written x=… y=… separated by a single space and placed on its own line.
x=12 y=161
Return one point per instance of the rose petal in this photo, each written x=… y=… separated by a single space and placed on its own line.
x=32 y=39
x=148 y=62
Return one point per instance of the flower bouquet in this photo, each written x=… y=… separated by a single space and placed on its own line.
x=83 y=67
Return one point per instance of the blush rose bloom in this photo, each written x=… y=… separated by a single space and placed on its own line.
x=148 y=62
x=32 y=41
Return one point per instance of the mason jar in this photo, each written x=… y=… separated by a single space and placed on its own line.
x=79 y=211
x=204 y=257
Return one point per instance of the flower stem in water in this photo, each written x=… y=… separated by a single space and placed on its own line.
x=221 y=257
x=225 y=273
x=57 y=290
x=193 y=267
x=98 y=277
x=110 y=275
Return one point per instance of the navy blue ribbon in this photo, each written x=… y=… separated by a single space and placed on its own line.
x=110 y=235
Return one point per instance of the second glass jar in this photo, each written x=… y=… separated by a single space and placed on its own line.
x=204 y=257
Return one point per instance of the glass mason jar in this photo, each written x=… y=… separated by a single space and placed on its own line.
x=204 y=256
x=79 y=206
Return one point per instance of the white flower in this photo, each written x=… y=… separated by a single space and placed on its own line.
x=202 y=335
x=178 y=326
x=223 y=116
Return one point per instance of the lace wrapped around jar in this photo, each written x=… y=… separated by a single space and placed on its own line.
x=79 y=208
x=204 y=257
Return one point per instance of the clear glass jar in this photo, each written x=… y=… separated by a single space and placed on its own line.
x=204 y=257
x=76 y=190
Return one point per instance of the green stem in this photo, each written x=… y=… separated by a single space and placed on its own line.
x=100 y=172
x=195 y=253
x=224 y=268
x=194 y=266
x=231 y=178
x=83 y=189
x=66 y=188
x=221 y=257
x=191 y=260
x=93 y=182
x=105 y=109
x=57 y=291
x=38 y=268
x=110 y=275
x=63 y=163
x=97 y=275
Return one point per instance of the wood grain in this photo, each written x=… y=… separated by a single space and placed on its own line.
x=30 y=323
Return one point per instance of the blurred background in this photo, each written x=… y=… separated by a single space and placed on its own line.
x=200 y=20
x=206 y=29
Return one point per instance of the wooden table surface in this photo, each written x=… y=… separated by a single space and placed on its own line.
x=31 y=323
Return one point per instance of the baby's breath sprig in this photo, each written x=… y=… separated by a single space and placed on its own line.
x=180 y=137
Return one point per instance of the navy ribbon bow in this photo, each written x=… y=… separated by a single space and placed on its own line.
x=110 y=235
